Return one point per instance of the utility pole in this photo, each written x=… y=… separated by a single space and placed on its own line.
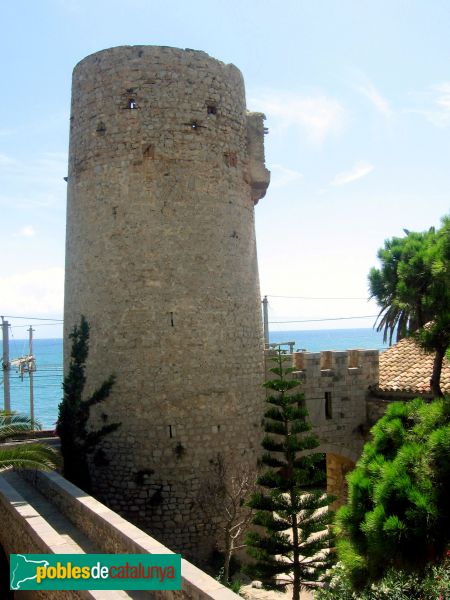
x=265 y=304
x=30 y=374
x=6 y=365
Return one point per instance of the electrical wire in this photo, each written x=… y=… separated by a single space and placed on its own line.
x=314 y=297
x=327 y=319
x=33 y=318
x=41 y=324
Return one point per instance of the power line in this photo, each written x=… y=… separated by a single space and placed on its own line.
x=315 y=298
x=328 y=319
x=38 y=324
x=33 y=318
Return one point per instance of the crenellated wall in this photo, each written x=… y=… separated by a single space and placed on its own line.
x=337 y=394
x=336 y=387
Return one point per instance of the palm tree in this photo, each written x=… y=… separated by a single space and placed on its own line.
x=412 y=288
x=400 y=286
x=27 y=455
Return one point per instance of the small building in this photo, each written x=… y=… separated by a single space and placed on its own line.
x=347 y=392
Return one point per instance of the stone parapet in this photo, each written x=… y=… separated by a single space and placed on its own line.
x=336 y=385
x=23 y=530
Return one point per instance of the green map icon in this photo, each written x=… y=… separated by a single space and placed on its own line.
x=23 y=569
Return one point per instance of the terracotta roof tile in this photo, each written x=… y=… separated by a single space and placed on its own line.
x=405 y=367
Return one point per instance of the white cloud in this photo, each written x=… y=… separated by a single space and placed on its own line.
x=360 y=169
x=35 y=293
x=439 y=114
x=281 y=176
x=367 y=89
x=6 y=161
x=318 y=116
x=27 y=231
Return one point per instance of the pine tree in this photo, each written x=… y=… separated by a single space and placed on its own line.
x=77 y=442
x=290 y=506
x=398 y=511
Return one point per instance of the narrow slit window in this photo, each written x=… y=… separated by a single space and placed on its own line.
x=170 y=431
x=328 y=406
x=132 y=104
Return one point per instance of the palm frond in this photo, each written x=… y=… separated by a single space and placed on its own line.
x=12 y=424
x=29 y=456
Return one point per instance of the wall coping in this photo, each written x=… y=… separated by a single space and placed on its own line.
x=196 y=583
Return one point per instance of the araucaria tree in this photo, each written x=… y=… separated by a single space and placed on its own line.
x=412 y=288
x=77 y=440
x=398 y=512
x=290 y=505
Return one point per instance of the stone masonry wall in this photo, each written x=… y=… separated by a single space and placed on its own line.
x=336 y=387
x=337 y=469
x=165 y=166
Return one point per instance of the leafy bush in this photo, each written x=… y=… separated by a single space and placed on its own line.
x=432 y=584
x=398 y=513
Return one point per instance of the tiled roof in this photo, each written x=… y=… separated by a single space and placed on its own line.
x=405 y=367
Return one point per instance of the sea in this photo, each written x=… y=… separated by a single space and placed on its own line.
x=47 y=380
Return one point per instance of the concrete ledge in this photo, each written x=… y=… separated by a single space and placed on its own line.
x=23 y=530
x=113 y=534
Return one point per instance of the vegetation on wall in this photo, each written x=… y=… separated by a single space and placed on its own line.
x=412 y=288
x=223 y=498
x=295 y=545
x=432 y=584
x=398 y=513
x=77 y=440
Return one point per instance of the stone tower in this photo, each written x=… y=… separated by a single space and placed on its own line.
x=165 y=166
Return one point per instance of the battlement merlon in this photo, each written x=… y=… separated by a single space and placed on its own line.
x=259 y=176
x=360 y=363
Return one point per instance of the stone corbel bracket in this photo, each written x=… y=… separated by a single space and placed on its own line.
x=259 y=176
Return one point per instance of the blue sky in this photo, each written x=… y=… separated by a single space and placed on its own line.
x=357 y=99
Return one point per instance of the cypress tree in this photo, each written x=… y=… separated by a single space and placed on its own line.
x=291 y=505
x=77 y=441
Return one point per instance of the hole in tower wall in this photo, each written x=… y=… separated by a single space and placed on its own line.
x=101 y=127
x=149 y=152
x=171 y=319
x=328 y=406
x=132 y=104
x=211 y=109
x=230 y=159
x=171 y=431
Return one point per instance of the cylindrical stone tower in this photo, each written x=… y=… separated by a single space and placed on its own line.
x=165 y=167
